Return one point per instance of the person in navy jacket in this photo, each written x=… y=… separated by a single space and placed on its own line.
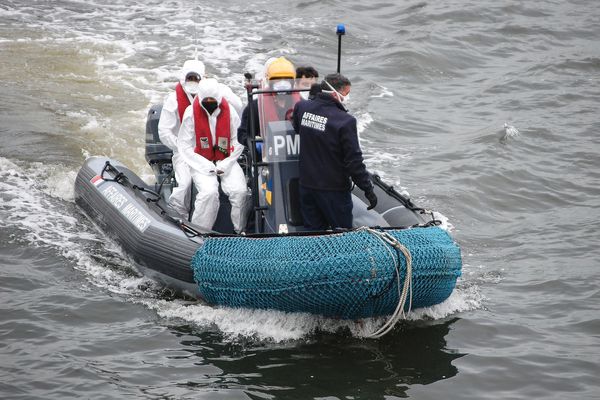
x=330 y=157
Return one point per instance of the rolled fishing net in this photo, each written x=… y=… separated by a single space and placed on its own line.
x=348 y=275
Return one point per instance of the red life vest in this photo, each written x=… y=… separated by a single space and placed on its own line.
x=183 y=100
x=204 y=144
x=270 y=112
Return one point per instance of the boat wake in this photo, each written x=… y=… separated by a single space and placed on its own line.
x=38 y=208
x=277 y=326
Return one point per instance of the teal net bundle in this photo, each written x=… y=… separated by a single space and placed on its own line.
x=348 y=275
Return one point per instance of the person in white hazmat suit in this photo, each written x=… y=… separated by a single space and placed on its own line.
x=208 y=143
x=169 y=123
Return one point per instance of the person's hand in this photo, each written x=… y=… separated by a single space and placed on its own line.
x=370 y=195
x=219 y=170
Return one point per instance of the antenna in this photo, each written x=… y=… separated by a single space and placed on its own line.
x=340 y=31
x=195 y=39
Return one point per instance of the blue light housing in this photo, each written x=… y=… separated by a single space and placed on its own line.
x=341 y=29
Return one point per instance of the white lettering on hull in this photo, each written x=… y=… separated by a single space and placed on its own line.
x=129 y=210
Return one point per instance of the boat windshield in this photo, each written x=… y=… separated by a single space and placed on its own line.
x=275 y=107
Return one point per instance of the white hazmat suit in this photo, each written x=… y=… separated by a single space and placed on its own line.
x=204 y=171
x=168 y=130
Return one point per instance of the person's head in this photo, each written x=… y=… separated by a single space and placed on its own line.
x=305 y=77
x=338 y=86
x=279 y=73
x=209 y=94
x=191 y=74
x=315 y=89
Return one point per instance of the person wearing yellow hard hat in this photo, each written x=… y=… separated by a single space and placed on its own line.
x=279 y=74
x=278 y=106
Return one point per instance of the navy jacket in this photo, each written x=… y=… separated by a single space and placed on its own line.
x=329 y=150
x=244 y=128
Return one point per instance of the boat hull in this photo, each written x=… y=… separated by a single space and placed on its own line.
x=126 y=214
x=344 y=275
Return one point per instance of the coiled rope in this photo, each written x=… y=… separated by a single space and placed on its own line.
x=405 y=292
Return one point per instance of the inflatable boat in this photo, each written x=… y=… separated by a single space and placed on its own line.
x=396 y=256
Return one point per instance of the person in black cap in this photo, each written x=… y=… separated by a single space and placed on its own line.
x=330 y=157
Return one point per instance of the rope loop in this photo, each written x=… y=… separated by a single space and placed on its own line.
x=405 y=292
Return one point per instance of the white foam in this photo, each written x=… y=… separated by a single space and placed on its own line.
x=86 y=121
x=446 y=224
x=510 y=132
x=280 y=326
x=385 y=92
x=461 y=300
x=19 y=189
x=363 y=120
x=103 y=97
x=37 y=201
x=91 y=124
x=59 y=181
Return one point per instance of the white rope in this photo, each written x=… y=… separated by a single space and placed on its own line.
x=406 y=291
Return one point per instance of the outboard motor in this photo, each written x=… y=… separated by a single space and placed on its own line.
x=157 y=154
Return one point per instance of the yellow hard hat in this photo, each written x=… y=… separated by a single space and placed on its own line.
x=281 y=68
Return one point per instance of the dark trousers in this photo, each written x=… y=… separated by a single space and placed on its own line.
x=322 y=209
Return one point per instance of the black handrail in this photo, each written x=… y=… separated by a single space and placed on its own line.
x=251 y=143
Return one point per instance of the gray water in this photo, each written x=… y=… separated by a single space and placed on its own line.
x=484 y=111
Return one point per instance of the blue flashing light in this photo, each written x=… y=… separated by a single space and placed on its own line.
x=341 y=29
